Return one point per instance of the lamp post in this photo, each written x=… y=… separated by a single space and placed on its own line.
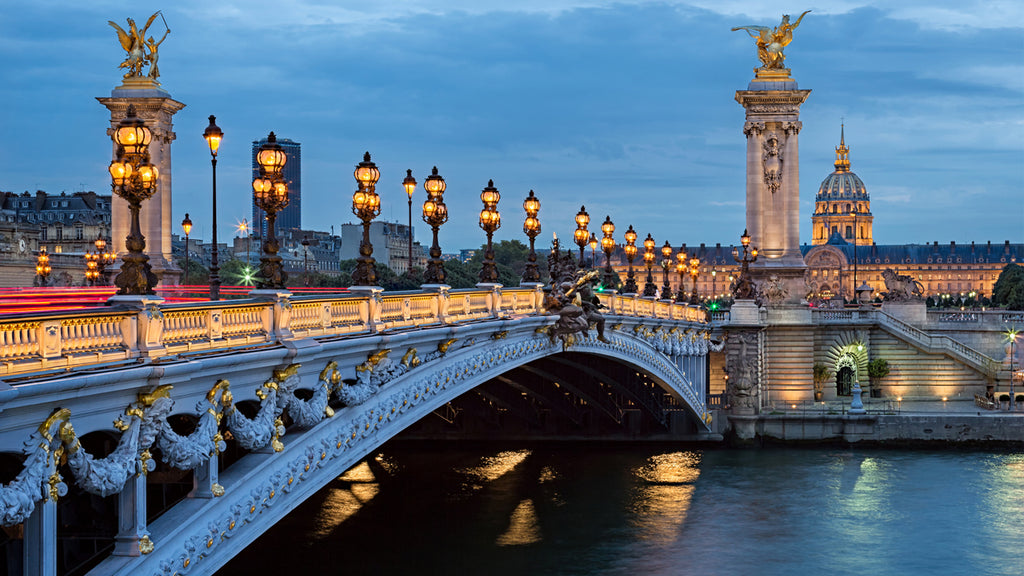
x=43 y=266
x=213 y=136
x=745 y=289
x=650 y=290
x=435 y=213
x=366 y=206
x=186 y=226
x=681 y=270
x=1011 y=335
x=91 y=268
x=593 y=249
x=490 y=220
x=271 y=195
x=714 y=285
x=409 y=183
x=134 y=179
x=531 y=226
x=581 y=236
x=608 y=246
x=243 y=228
x=105 y=258
x=666 y=262
x=630 y=250
x=694 y=272
x=305 y=260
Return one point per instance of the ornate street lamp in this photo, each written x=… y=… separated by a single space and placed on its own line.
x=593 y=249
x=271 y=195
x=134 y=179
x=531 y=226
x=630 y=250
x=366 y=206
x=745 y=289
x=105 y=259
x=409 y=183
x=490 y=220
x=607 y=246
x=43 y=266
x=650 y=289
x=213 y=136
x=435 y=213
x=186 y=226
x=92 y=271
x=694 y=272
x=666 y=262
x=581 y=236
x=681 y=270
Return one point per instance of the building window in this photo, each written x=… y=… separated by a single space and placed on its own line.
x=79 y=233
x=849 y=232
x=58 y=249
x=60 y=233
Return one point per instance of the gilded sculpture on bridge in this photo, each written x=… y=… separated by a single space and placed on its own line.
x=772 y=41
x=140 y=50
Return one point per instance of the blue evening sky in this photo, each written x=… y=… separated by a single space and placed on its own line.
x=626 y=107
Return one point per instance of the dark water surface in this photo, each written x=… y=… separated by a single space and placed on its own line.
x=652 y=509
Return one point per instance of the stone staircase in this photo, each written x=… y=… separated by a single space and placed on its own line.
x=919 y=373
x=937 y=344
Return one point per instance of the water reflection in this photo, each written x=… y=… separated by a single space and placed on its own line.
x=663 y=495
x=360 y=486
x=523 y=526
x=491 y=468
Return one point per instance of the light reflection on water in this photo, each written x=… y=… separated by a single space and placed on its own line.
x=625 y=510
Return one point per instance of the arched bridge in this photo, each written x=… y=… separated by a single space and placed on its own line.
x=227 y=415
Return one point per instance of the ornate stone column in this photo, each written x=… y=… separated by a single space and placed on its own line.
x=772 y=102
x=154 y=105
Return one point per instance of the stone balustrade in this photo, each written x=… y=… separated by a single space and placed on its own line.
x=128 y=331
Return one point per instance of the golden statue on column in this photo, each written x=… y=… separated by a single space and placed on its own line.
x=772 y=41
x=140 y=50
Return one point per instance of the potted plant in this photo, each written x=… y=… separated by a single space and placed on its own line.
x=821 y=375
x=877 y=369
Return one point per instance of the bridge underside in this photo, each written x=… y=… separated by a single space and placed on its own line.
x=566 y=397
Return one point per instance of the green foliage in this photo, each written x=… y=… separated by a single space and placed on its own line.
x=234 y=272
x=196 y=273
x=929 y=302
x=460 y=274
x=822 y=374
x=878 y=368
x=1008 y=290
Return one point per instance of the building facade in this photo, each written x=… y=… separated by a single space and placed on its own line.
x=390 y=245
x=291 y=216
x=843 y=251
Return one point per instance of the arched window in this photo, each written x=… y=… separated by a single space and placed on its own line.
x=849 y=232
x=847 y=208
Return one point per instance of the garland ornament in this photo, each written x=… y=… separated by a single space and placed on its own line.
x=189 y=452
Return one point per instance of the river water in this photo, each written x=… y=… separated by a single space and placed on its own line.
x=655 y=509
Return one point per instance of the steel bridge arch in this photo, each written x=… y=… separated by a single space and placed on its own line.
x=198 y=536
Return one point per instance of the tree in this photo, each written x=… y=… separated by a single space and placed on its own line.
x=196 y=273
x=235 y=272
x=1008 y=290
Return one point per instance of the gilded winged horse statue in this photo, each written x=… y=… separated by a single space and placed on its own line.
x=133 y=42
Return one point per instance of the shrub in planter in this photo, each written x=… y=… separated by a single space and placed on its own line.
x=877 y=369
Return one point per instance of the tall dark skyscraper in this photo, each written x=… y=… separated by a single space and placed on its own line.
x=291 y=216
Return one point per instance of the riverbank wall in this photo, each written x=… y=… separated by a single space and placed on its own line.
x=888 y=429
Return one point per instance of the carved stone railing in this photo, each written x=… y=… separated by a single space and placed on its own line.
x=634 y=305
x=987 y=320
x=151 y=329
x=834 y=316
